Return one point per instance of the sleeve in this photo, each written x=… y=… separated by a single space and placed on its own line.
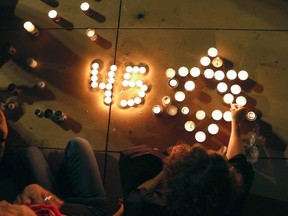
x=75 y=209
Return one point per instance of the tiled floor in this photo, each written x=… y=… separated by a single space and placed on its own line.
x=165 y=34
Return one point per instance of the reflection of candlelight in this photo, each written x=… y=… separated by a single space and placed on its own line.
x=217 y=62
x=200 y=136
x=166 y=100
x=189 y=126
x=157 y=110
x=31 y=28
x=172 y=110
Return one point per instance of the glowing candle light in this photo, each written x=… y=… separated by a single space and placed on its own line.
x=85 y=7
x=52 y=14
x=123 y=103
x=139 y=83
x=216 y=115
x=31 y=28
x=95 y=65
x=157 y=109
x=109 y=86
x=219 y=75
x=31 y=62
x=94 y=84
x=231 y=74
x=172 y=110
x=142 y=94
x=251 y=116
x=130 y=102
x=132 y=84
x=170 y=73
x=195 y=72
x=102 y=85
x=200 y=114
x=137 y=100
x=189 y=126
x=108 y=93
x=94 y=78
x=212 y=52
x=129 y=69
x=91 y=33
x=235 y=89
x=200 y=136
x=213 y=129
x=189 y=85
x=179 y=96
x=135 y=69
x=228 y=98
x=222 y=87
x=243 y=75
x=205 y=61
x=111 y=74
x=113 y=68
x=173 y=83
x=241 y=100
x=166 y=100
x=217 y=62
x=208 y=73
x=127 y=76
x=111 y=80
x=185 y=110
x=107 y=100
x=142 y=70
x=183 y=71
x=144 y=88
x=227 y=116
x=125 y=83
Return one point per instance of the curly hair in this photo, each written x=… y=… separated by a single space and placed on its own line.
x=200 y=184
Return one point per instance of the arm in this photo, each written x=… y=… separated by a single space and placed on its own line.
x=9 y=209
x=235 y=145
x=3 y=133
x=151 y=184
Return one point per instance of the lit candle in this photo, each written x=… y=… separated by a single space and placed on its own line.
x=195 y=72
x=205 y=61
x=31 y=28
x=85 y=7
x=183 y=71
x=208 y=73
x=219 y=75
x=235 y=89
x=251 y=116
x=91 y=33
x=243 y=75
x=130 y=102
x=166 y=100
x=227 y=116
x=129 y=69
x=94 y=84
x=189 y=85
x=185 y=110
x=212 y=52
x=170 y=73
x=231 y=74
x=173 y=83
x=107 y=100
x=113 y=68
x=172 y=110
x=179 y=96
x=137 y=100
x=144 y=88
x=189 y=126
x=216 y=115
x=142 y=69
x=222 y=87
x=241 y=100
x=217 y=62
x=200 y=114
x=213 y=129
x=228 y=98
x=157 y=109
x=123 y=103
x=95 y=65
x=200 y=136
x=52 y=14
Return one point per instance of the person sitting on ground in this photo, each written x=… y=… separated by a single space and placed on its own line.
x=76 y=190
x=194 y=181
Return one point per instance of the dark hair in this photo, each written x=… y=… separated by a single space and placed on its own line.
x=200 y=184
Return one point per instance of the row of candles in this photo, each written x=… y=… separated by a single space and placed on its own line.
x=53 y=14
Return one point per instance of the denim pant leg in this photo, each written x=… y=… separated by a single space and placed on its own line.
x=79 y=176
x=32 y=168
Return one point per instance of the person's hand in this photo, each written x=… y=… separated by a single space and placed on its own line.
x=237 y=112
x=35 y=194
x=8 y=209
x=3 y=126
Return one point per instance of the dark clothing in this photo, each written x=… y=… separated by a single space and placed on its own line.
x=141 y=202
x=78 y=182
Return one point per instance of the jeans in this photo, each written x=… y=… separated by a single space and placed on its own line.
x=78 y=181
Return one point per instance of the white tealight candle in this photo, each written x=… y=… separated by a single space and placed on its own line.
x=200 y=136
x=200 y=114
x=185 y=110
x=219 y=75
x=157 y=109
x=228 y=98
x=195 y=72
x=91 y=33
x=31 y=28
x=85 y=6
x=205 y=61
x=231 y=74
x=173 y=83
x=217 y=62
x=243 y=75
x=189 y=85
x=179 y=96
x=166 y=100
x=170 y=73
x=217 y=115
x=189 y=126
x=235 y=89
x=208 y=73
x=241 y=100
x=213 y=129
x=183 y=71
x=222 y=87
x=212 y=52
x=227 y=116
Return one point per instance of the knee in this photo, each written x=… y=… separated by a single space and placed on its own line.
x=78 y=144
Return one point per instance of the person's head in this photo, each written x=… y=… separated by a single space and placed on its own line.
x=200 y=183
